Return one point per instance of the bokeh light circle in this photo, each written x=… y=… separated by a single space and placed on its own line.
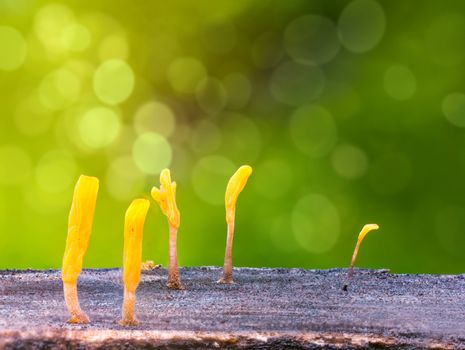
x=154 y=116
x=294 y=83
x=124 y=180
x=151 y=153
x=59 y=89
x=15 y=165
x=210 y=176
x=399 y=82
x=76 y=37
x=313 y=130
x=113 y=81
x=211 y=95
x=453 y=107
x=311 y=39
x=99 y=127
x=315 y=223
x=56 y=171
x=113 y=47
x=185 y=73
x=13 y=49
x=50 y=23
x=349 y=161
x=361 y=25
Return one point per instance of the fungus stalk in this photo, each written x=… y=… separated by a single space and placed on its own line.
x=235 y=186
x=367 y=228
x=80 y=222
x=174 y=279
x=165 y=196
x=132 y=257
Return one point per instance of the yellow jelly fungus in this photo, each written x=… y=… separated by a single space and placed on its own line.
x=80 y=222
x=132 y=257
x=235 y=186
x=165 y=196
x=367 y=228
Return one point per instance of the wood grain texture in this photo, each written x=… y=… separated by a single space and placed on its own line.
x=266 y=308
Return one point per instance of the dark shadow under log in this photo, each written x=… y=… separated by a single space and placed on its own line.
x=266 y=308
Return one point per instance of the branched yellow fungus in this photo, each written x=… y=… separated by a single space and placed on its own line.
x=132 y=257
x=80 y=222
x=367 y=228
x=166 y=199
x=235 y=186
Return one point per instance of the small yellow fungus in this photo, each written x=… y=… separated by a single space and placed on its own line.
x=165 y=196
x=367 y=228
x=80 y=222
x=149 y=265
x=132 y=257
x=235 y=186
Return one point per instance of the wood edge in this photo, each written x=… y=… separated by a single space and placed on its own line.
x=57 y=338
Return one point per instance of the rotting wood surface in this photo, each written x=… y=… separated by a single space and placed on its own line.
x=266 y=308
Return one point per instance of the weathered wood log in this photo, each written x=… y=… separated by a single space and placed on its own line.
x=266 y=308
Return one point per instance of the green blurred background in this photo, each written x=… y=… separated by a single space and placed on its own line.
x=349 y=112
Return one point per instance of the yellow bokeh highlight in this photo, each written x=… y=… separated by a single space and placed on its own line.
x=124 y=180
x=59 y=89
x=49 y=25
x=154 y=116
x=113 y=81
x=113 y=47
x=152 y=153
x=13 y=49
x=99 y=127
x=76 y=37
